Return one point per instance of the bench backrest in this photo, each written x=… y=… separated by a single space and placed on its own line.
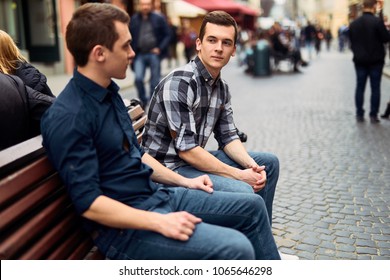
x=37 y=219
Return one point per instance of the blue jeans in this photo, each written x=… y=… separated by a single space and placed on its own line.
x=234 y=226
x=374 y=72
x=141 y=62
x=220 y=183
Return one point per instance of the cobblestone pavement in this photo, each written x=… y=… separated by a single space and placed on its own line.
x=333 y=195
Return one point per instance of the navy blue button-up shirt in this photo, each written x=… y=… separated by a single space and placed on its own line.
x=88 y=136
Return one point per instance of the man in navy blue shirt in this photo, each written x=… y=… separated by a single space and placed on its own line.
x=89 y=138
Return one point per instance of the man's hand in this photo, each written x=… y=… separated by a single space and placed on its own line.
x=201 y=183
x=156 y=51
x=255 y=176
x=178 y=225
x=263 y=180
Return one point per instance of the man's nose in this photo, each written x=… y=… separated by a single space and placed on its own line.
x=218 y=46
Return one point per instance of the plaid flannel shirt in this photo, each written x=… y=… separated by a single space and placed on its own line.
x=186 y=107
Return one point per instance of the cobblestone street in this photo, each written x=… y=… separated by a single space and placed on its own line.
x=333 y=195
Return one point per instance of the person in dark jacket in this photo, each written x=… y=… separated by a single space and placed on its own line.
x=12 y=62
x=368 y=35
x=21 y=109
x=151 y=38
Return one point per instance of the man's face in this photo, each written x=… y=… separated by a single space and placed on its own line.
x=121 y=55
x=145 y=6
x=216 y=48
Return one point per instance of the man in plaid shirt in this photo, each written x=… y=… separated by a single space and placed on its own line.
x=190 y=104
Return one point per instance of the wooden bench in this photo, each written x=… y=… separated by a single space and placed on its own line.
x=37 y=219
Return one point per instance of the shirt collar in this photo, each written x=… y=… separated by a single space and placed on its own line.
x=90 y=87
x=204 y=73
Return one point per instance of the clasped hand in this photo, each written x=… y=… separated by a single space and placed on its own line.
x=255 y=176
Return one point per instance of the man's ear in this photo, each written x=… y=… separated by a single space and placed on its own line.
x=98 y=53
x=234 y=52
x=198 y=44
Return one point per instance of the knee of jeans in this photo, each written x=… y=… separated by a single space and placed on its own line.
x=242 y=187
x=236 y=247
x=274 y=161
x=139 y=79
x=266 y=159
x=257 y=204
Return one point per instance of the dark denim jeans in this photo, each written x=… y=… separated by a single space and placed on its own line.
x=141 y=62
x=220 y=183
x=234 y=226
x=374 y=72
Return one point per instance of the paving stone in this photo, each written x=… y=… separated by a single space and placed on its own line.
x=306 y=248
x=380 y=258
x=286 y=243
x=385 y=229
x=345 y=255
x=384 y=252
x=345 y=248
x=311 y=241
x=365 y=250
x=384 y=245
x=345 y=240
x=365 y=243
x=380 y=237
x=364 y=257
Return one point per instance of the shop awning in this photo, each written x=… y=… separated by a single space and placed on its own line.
x=181 y=8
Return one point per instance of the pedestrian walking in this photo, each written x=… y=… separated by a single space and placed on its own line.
x=328 y=38
x=151 y=38
x=368 y=35
x=310 y=35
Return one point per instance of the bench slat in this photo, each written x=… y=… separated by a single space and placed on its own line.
x=29 y=202
x=137 y=125
x=15 y=184
x=32 y=228
x=136 y=112
x=65 y=249
x=94 y=254
x=59 y=231
x=82 y=250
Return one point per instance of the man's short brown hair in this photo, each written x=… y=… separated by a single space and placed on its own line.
x=218 y=18
x=369 y=3
x=93 y=24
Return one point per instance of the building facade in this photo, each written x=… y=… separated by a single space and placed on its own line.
x=38 y=27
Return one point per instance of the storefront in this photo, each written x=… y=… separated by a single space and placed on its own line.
x=33 y=25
